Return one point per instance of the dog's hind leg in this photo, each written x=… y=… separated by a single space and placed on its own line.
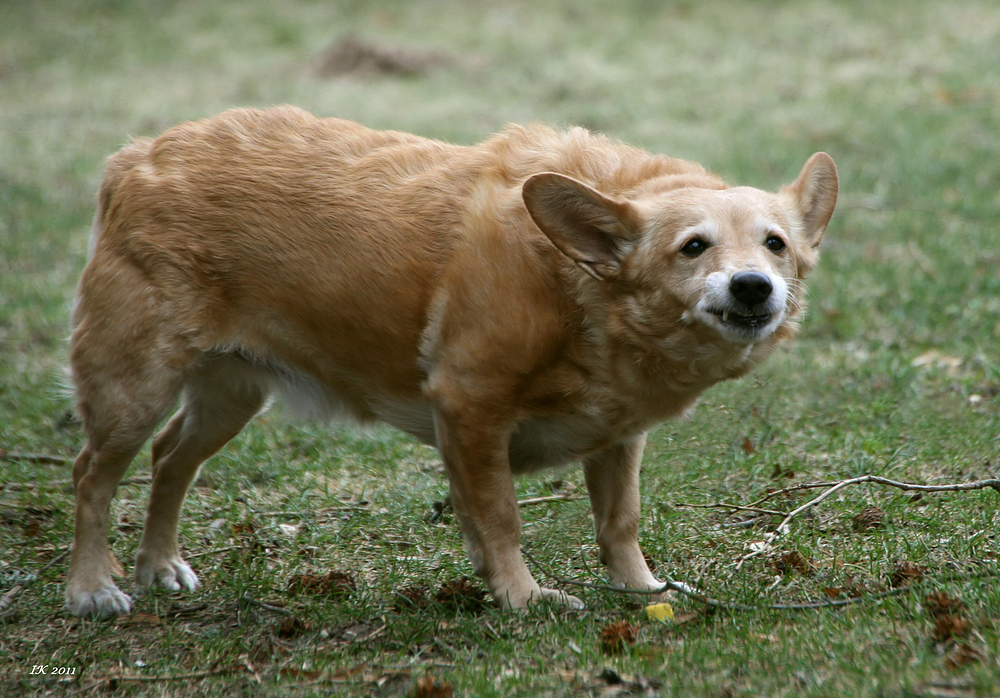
x=127 y=381
x=219 y=399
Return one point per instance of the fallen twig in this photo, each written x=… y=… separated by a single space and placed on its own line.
x=11 y=594
x=113 y=678
x=266 y=606
x=792 y=488
x=993 y=483
x=682 y=588
x=43 y=458
x=212 y=551
x=761 y=548
x=832 y=487
x=734 y=507
x=977 y=485
x=67 y=483
x=565 y=497
x=747 y=523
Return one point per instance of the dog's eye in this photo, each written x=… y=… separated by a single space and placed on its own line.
x=694 y=247
x=775 y=244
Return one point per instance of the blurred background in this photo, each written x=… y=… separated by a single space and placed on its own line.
x=896 y=371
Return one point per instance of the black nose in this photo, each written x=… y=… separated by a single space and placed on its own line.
x=750 y=287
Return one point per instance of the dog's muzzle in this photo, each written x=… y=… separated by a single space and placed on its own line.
x=745 y=307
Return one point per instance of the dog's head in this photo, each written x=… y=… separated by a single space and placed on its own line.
x=723 y=262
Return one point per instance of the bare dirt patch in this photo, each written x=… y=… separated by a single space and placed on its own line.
x=353 y=56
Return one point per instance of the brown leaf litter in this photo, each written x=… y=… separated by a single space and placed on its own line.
x=618 y=637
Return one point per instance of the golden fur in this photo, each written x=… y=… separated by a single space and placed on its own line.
x=540 y=298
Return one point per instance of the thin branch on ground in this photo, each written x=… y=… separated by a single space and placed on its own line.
x=686 y=590
x=832 y=487
x=212 y=551
x=565 y=497
x=113 y=678
x=325 y=511
x=266 y=606
x=42 y=458
x=67 y=483
x=747 y=523
x=993 y=483
x=765 y=546
x=977 y=485
x=734 y=507
x=11 y=595
x=791 y=489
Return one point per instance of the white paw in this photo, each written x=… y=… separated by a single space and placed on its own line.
x=172 y=574
x=642 y=589
x=561 y=598
x=100 y=603
x=540 y=595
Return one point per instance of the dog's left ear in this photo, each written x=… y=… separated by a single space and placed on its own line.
x=813 y=196
x=592 y=229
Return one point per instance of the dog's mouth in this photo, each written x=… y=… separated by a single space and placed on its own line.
x=751 y=321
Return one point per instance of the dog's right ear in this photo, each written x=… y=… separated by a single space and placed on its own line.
x=592 y=229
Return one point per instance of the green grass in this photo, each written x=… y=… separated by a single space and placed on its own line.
x=904 y=95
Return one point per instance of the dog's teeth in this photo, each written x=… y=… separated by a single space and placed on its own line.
x=725 y=316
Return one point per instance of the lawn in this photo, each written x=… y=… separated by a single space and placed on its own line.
x=330 y=565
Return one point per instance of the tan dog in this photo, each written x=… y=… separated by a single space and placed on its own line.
x=537 y=299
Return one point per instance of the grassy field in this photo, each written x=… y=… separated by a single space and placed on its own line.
x=328 y=568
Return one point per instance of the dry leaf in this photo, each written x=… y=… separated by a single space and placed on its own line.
x=415 y=596
x=793 y=561
x=948 y=626
x=868 y=519
x=961 y=655
x=140 y=619
x=333 y=583
x=430 y=687
x=617 y=637
x=247 y=528
x=939 y=603
x=463 y=594
x=853 y=588
x=906 y=573
x=290 y=627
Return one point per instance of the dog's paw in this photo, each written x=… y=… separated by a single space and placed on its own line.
x=100 y=603
x=558 y=597
x=541 y=595
x=172 y=574
x=644 y=587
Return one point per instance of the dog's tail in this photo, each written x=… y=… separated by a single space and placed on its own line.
x=115 y=169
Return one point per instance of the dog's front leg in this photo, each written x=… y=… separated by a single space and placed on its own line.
x=613 y=483
x=482 y=493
